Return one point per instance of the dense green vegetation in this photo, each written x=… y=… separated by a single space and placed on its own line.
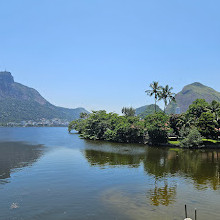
x=100 y=125
x=194 y=128
x=14 y=110
x=201 y=121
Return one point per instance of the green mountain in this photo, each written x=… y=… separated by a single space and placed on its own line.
x=19 y=102
x=146 y=110
x=189 y=94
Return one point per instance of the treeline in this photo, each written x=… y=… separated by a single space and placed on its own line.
x=202 y=120
x=100 y=125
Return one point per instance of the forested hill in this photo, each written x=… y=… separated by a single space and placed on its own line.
x=19 y=102
x=147 y=110
x=189 y=94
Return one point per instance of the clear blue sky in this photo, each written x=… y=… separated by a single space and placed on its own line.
x=103 y=54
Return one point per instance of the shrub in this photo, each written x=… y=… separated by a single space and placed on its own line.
x=192 y=140
x=157 y=136
x=184 y=132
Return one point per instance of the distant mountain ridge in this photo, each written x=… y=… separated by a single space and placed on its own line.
x=147 y=110
x=189 y=94
x=19 y=102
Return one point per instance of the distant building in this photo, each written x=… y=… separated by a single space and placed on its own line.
x=23 y=123
x=178 y=110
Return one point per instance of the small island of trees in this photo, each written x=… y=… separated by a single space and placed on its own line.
x=199 y=126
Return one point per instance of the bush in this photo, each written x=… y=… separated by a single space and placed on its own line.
x=184 y=132
x=192 y=140
x=157 y=136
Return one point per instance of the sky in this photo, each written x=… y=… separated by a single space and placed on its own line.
x=103 y=54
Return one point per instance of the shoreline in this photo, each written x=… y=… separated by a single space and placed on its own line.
x=169 y=145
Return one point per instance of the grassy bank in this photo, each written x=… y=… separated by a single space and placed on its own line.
x=206 y=143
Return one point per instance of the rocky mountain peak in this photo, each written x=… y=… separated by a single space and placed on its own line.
x=19 y=102
x=189 y=94
x=6 y=78
x=9 y=89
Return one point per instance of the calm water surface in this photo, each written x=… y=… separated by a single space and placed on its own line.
x=46 y=173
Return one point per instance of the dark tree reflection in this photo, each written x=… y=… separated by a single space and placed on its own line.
x=201 y=166
x=101 y=158
x=164 y=195
x=16 y=155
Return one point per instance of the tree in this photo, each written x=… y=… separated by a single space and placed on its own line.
x=157 y=127
x=100 y=125
x=207 y=125
x=176 y=122
x=192 y=140
x=128 y=112
x=83 y=115
x=154 y=91
x=166 y=95
x=197 y=108
x=158 y=119
x=215 y=109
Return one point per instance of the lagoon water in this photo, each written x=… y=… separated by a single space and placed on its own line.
x=46 y=173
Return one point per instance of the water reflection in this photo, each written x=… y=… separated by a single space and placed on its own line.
x=137 y=182
x=102 y=159
x=201 y=166
x=16 y=155
x=164 y=195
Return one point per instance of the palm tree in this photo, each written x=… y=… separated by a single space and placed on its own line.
x=167 y=96
x=215 y=109
x=155 y=91
x=128 y=112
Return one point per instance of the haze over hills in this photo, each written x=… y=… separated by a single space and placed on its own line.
x=19 y=102
x=189 y=94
